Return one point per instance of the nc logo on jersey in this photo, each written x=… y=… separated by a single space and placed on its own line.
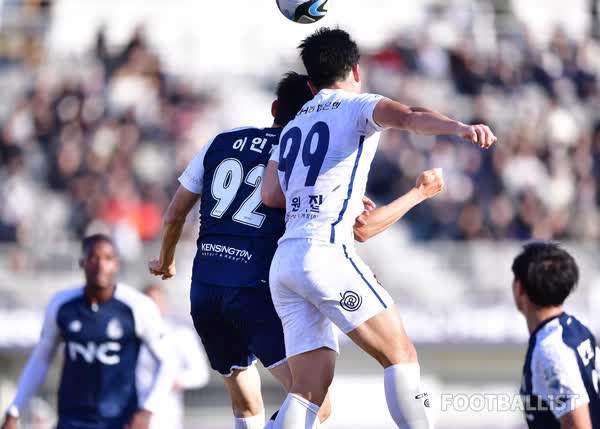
x=106 y=353
x=114 y=330
x=74 y=326
x=351 y=301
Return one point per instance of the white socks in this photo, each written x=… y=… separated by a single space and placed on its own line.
x=297 y=413
x=407 y=404
x=254 y=422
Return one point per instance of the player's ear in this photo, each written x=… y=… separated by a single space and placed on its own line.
x=312 y=87
x=356 y=72
x=274 y=108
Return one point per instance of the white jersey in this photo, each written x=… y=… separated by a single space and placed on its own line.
x=324 y=157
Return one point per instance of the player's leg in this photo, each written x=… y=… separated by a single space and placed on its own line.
x=246 y=398
x=228 y=354
x=310 y=340
x=263 y=331
x=382 y=336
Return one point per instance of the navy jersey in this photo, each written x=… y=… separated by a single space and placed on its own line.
x=238 y=235
x=101 y=346
x=560 y=373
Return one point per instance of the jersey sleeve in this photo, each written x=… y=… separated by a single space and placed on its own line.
x=274 y=154
x=365 y=105
x=192 y=178
x=152 y=332
x=557 y=378
x=36 y=369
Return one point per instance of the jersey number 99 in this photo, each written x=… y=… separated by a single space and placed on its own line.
x=313 y=154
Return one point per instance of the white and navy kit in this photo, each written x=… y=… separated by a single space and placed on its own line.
x=230 y=299
x=560 y=373
x=317 y=279
x=101 y=346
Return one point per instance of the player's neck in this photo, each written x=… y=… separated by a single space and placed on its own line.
x=344 y=85
x=538 y=316
x=98 y=295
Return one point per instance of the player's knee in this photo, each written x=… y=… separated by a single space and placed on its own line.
x=314 y=389
x=325 y=411
x=401 y=351
x=244 y=406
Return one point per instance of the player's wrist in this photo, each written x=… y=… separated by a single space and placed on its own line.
x=419 y=193
x=460 y=129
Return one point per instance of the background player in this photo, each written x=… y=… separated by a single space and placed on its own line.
x=102 y=326
x=324 y=161
x=560 y=376
x=190 y=368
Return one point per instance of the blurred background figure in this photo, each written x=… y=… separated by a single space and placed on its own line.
x=192 y=370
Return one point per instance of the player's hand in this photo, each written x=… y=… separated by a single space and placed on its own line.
x=10 y=422
x=477 y=134
x=430 y=183
x=158 y=270
x=369 y=206
x=140 y=420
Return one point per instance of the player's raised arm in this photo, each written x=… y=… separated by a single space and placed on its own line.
x=429 y=184
x=183 y=202
x=391 y=114
x=35 y=371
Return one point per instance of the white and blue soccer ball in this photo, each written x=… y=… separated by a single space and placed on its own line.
x=303 y=11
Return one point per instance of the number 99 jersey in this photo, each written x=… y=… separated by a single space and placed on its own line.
x=324 y=158
x=238 y=235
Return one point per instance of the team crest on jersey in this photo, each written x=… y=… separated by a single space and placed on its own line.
x=75 y=326
x=351 y=301
x=114 y=330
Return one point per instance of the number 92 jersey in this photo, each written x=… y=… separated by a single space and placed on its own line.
x=238 y=235
x=324 y=158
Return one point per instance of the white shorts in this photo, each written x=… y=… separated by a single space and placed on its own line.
x=316 y=285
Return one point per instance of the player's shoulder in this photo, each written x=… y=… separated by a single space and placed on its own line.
x=552 y=340
x=237 y=133
x=134 y=299
x=63 y=297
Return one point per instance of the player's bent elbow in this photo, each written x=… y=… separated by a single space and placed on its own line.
x=361 y=235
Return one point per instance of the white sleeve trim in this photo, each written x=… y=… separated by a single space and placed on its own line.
x=366 y=121
x=556 y=376
x=36 y=369
x=192 y=178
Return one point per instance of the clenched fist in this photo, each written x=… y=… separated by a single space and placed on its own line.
x=157 y=269
x=430 y=183
x=478 y=134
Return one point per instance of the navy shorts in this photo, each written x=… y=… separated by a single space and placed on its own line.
x=237 y=325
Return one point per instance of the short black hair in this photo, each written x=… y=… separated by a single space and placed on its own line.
x=329 y=55
x=547 y=272
x=89 y=242
x=293 y=92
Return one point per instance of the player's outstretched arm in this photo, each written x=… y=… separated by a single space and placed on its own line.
x=579 y=418
x=271 y=193
x=174 y=220
x=390 y=114
x=36 y=369
x=429 y=184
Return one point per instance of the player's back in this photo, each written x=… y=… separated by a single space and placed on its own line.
x=560 y=372
x=325 y=156
x=238 y=234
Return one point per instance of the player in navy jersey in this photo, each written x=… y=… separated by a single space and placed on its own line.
x=102 y=326
x=560 y=375
x=230 y=299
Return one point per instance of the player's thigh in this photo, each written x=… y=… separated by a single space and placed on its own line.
x=343 y=287
x=305 y=327
x=244 y=389
x=384 y=338
x=225 y=346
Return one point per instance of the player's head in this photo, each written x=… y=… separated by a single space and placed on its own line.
x=544 y=275
x=293 y=92
x=157 y=294
x=331 y=56
x=99 y=261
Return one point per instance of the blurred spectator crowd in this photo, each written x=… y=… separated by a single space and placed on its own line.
x=101 y=148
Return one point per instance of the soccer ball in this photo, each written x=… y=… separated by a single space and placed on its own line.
x=303 y=11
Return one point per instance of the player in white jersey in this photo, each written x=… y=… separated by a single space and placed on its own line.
x=317 y=279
